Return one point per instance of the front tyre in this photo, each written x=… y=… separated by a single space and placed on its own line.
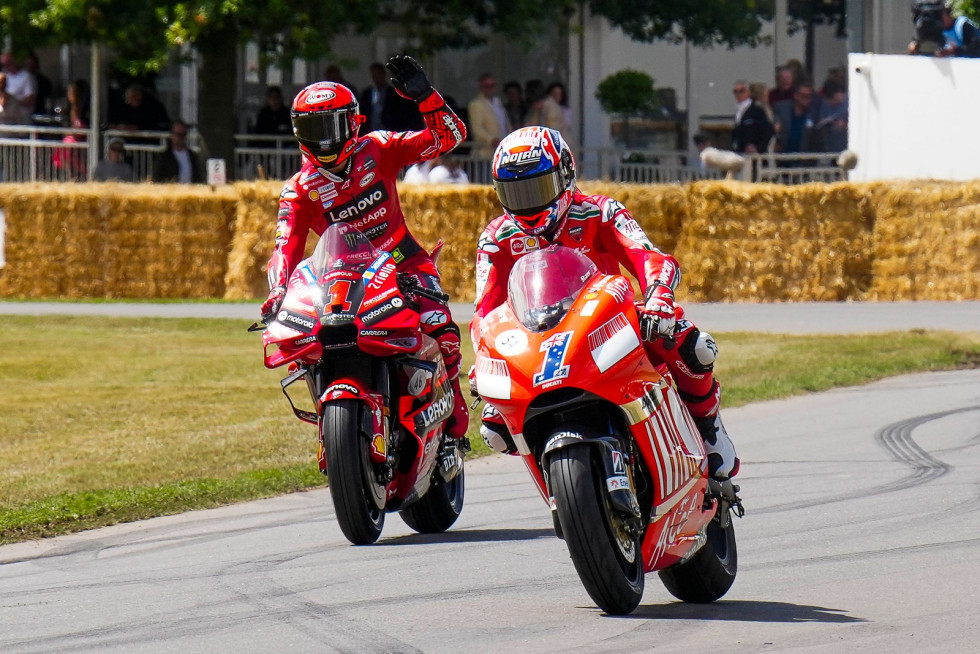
x=709 y=574
x=351 y=475
x=607 y=558
x=438 y=509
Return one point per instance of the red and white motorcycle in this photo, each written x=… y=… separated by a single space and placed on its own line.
x=604 y=434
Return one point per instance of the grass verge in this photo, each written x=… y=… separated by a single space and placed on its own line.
x=105 y=420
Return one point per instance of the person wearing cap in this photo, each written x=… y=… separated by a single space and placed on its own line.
x=114 y=168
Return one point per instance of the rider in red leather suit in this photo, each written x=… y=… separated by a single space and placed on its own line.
x=534 y=174
x=351 y=179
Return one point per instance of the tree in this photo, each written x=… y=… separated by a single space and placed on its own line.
x=627 y=93
x=144 y=34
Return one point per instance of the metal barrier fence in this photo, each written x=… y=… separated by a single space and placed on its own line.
x=30 y=153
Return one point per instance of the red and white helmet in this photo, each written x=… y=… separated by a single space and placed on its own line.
x=326 y=123
x=534 y=176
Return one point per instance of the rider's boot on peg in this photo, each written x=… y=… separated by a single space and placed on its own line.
x=722 y=462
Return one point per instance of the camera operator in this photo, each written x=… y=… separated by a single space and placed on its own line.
x=938 y=33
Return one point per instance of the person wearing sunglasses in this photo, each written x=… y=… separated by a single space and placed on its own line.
x=753 y=130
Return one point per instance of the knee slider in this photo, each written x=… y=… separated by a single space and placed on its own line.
x=699 y=351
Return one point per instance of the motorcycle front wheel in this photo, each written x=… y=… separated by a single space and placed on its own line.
x=357 y=496
x=608 y=560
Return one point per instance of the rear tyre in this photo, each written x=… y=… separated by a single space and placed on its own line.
x=438 y=509
x=608 y=560
x=709 y=574
x=353 y=486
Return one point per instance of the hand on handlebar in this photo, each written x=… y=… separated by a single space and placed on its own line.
x=657 y=319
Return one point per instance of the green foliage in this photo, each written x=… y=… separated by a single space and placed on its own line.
x=729 y=22
x=626 y=92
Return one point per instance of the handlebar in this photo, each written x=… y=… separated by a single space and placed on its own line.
x=410 y=285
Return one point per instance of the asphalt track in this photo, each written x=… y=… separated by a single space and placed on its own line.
x=861 y=535
x=788 y=318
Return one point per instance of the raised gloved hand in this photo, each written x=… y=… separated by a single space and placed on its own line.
x=408 y=78
x=657 y=319
x=271 y=306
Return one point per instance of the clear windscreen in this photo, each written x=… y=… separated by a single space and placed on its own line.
x=543 y=285
x=342 y=246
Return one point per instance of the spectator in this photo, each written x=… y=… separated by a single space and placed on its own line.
x=760 y=95
x=274 y=118
x=784 y=86
x=794 y=121
x=702 y=141
x=514 y=104
x=177 y=163
x=114 y=168
x=332 y=73
x=11 y=111
x=42 y=102
x=557 y=91
x=384 y=108
x=20 y=85
x=141 y=112
x=830 y=119
x=72 y=162
x=753 y=130
x=534 y=93
x=795 y=67
x=544 y=111
x=487 y=118
x=962 y=35
x=447 y=170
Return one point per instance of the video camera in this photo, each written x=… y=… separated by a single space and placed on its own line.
x=927 y=16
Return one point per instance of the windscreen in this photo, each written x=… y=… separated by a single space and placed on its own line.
x=543 y=285
x=342 y=247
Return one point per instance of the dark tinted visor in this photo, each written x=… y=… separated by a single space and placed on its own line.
x=524 y=195
x=325 y=130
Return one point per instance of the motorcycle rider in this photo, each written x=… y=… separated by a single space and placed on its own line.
x=534 y=176
x=350 y=178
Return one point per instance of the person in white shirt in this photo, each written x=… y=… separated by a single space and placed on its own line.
x=20 y=85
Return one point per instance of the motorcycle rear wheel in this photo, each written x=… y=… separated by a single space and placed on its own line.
x=608 y=560
x=438 y=509
x=709 y=574
x=350 y=473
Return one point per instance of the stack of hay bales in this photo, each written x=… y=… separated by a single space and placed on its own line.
x=926 y=240
x=115 y=240
x=765 y=242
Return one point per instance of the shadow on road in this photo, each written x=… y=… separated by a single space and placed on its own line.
x=739 y=611
x=470 y=536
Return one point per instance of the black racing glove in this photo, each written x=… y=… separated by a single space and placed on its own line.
x=408 y=78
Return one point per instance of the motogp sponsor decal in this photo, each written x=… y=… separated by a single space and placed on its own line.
x=511 y=342
x=524 y=244
x=576 y=233
x=521 y=155
x=438 y=409
x=342 y=388
x=434 y=318
x=364 y=203
x=418 y=383
x=288 y=194
x=298 y=321
x=367 y=179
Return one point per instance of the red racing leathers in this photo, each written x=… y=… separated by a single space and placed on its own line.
x=367 y=198
x=602 y=229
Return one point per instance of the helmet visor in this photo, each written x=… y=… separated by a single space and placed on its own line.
x=328 y=130
x=524 y=196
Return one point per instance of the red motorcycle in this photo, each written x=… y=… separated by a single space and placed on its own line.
x=349 y=327
x=604 y=434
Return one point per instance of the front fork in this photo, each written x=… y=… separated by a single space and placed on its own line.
x=618 y=485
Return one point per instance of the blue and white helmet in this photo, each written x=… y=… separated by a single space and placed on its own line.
x=534 y=176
